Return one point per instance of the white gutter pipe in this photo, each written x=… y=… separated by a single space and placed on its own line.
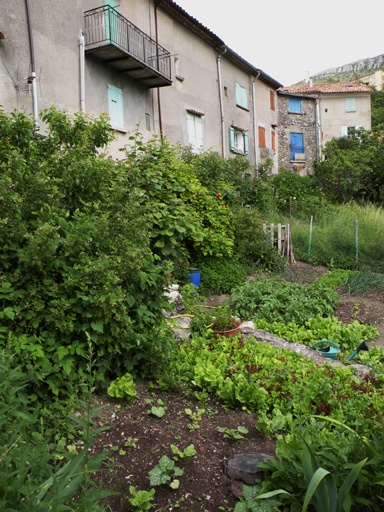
x=221 y=103
x=254 y=120
x=82 y=72
x=32 y=78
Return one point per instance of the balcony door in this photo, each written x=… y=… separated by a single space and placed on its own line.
x=297 y=144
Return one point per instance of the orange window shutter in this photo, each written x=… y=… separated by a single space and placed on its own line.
x=273 y=141
x=272 y=97
x=261 y=137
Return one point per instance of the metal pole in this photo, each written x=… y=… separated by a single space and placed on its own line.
x=357 y=243
x=310 y=235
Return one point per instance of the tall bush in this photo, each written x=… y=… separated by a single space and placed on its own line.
x=75 y=256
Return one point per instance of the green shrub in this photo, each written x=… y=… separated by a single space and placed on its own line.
x=37 y=474
x=75 y=254
x=251 y=244
x=219 y=275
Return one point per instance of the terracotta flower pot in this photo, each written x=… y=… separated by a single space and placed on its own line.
x=227 y=334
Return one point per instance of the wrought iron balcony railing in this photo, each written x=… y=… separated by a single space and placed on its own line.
x=118 y=42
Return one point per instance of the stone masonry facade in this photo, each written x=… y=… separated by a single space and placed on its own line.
x=304 y=123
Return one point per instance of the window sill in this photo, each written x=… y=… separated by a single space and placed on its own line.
x=238 y=152
x=242 y=108
x=116 y=129
x=296 y=113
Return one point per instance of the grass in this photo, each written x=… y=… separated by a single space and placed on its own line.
x=337 y=241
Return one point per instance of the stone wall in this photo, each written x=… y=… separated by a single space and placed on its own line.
x=305 y=123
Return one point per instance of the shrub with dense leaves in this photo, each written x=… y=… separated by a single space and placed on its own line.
x=75 y=256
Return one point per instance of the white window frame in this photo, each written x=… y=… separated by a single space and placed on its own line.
x=195 y=132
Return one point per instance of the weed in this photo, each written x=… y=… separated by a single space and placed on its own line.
x=195 y=417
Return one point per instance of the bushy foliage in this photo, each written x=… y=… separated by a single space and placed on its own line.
x=220 y=275
x=74 y=252
x=232 y=179
x=352 y=168
x=377 y=110
x=186 y=216
x=251 y=244
x=38 y=475
x=305 y=196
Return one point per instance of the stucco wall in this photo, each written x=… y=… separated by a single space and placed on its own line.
x=304 y=123
x=333 y=115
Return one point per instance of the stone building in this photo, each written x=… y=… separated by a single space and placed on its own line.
x=297 y=132
x=310 y=115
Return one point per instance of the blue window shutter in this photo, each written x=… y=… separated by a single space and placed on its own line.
x=246 y=151
x=231 y=139
x=295 y=105
x=297 y=144
x=241 y=96
x=115 y=101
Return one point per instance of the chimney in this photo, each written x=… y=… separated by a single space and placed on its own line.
x=311 y=82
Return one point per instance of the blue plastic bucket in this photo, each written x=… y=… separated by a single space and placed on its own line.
x=194 y=276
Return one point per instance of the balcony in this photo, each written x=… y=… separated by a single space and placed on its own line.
x=119 y=43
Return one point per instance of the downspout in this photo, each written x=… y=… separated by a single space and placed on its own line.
x=82 y=72
x=318 y=127
x=221 y=102
x=33 y=64
x=158 y=2
x=254 y=121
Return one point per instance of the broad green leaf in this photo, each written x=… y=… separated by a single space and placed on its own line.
x=98 y=326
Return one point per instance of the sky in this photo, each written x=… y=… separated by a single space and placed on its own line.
x=291 y=40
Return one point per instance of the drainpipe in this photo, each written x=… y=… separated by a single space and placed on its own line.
x=318 y=127
x=221 y=101
x=32 y=78
x=82 y=72
x=158 y=89
x=254 y=121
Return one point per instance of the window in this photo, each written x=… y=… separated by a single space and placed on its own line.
x=238 y=140
x=241 y=97
x=297 y=145
x=115 y=102
x=272 y=100
x=350 y=104
x=261 y=137
x=195 y=132
x=294 y=105
x=273 y=136
x=148 y=122
x=346 y=131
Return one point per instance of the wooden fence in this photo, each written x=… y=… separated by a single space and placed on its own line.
x=281 y=240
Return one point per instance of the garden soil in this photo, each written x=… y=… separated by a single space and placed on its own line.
x=137 y=440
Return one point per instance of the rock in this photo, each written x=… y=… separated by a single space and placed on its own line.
x=243 y=467
x=246 y=327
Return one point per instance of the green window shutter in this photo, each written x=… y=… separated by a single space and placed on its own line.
x=246 y=151
x=115 y=101
x=231 y=139
x=350 y=104
x=241 y=96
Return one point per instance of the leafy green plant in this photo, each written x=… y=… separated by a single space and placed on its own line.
x=123 y=387
x=164 y=472
x=364 y=282
x=232 y=433
x=322 y=490
x=157 y=410
x=187 y=453
x=347 y=336
x=223 y=319
x=274 y=299
x=196 y=417
x=141 y=500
